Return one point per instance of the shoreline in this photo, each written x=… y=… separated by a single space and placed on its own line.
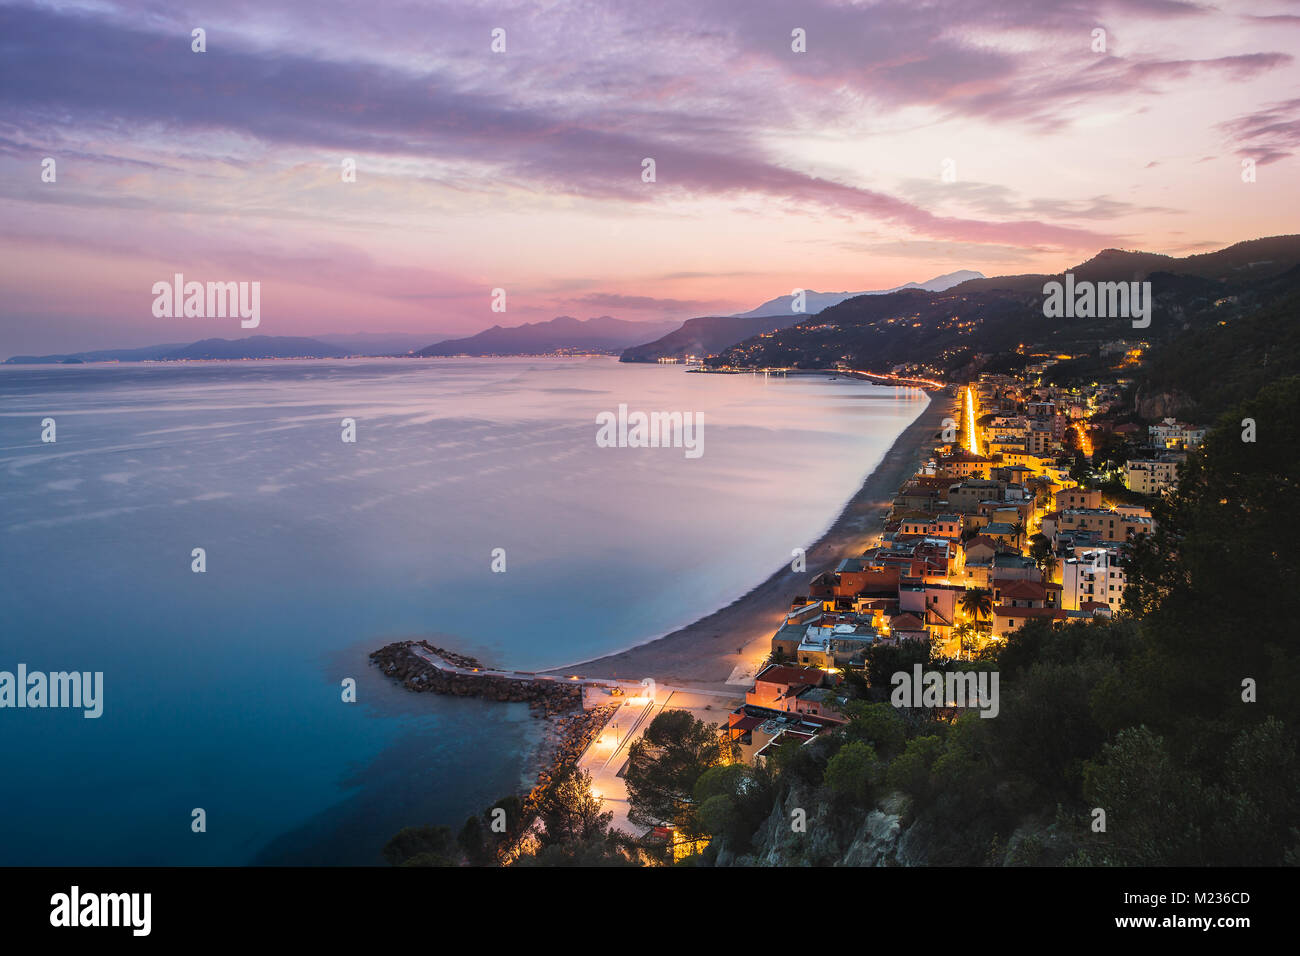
x=704 y=652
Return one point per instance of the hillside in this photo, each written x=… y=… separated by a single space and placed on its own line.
x=564 y=333
x=947 y=330
x=707 y=335
x=144 y=354
x=815 y=302
x=251 y=347
x=710 y=334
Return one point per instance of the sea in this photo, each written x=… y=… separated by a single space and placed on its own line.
x=475 y=508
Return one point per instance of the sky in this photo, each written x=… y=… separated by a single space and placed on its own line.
x=905 y=140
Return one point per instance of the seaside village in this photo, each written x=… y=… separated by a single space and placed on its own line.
x=990 y=533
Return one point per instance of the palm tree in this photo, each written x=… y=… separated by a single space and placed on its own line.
x=1018 y=529
x=966 y=638
x=1040 y=552
x=977 y=602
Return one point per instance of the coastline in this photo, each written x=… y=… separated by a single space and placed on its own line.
x=704 y=652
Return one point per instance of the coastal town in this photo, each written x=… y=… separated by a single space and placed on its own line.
x=1015 y=517
x=1024 y=507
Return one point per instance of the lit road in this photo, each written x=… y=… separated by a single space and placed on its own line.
x=972 y=441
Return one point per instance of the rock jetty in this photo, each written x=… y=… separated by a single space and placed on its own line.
x=548 y=698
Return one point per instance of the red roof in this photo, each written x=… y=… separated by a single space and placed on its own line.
x=1024 y=590
x=906 y=622
x=785 y=674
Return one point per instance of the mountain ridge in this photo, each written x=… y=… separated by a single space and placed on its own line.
x=602 y=333
x=815 y=302
x=944 y=331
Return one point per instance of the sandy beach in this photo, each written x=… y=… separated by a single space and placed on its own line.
x=705 y=652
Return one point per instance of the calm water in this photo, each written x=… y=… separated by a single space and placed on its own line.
x=222 y=689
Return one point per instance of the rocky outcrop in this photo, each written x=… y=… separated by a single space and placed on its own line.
x=876 y=842
x=801 y=830
x=885 y=835
x=576 y=732
x=1153 y=406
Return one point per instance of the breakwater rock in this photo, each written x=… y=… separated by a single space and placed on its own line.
x=398 y=660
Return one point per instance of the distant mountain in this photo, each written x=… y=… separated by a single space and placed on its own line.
x=707 y=335
x=253 y=347
x=258 y=347
x=382 y=343
x=564 y=333
x=814 y=302
x=710 y=334
x=146 y=354
x=974 y=320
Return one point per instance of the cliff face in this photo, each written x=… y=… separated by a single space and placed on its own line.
x=893 y=834
x=832 y=837
x=1152 y=406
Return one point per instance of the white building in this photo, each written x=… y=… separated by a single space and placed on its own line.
x=1093 y=576
x=1171 y=433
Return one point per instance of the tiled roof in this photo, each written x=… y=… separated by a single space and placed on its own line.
x=784 y=674
x=905 y=622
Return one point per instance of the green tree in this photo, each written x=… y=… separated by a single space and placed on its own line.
x=978 y=603
x=885 y=660
x=877 y=724
x=600 y=848
x=665 y=764
x=854 y=773
x=422 y=846
x=473 y=843
x=719 y=816
x=1040 y=551
x=569 y=811
x=967 y=638
x=1149 y=803
x=1220 y=548
x=910 y=770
